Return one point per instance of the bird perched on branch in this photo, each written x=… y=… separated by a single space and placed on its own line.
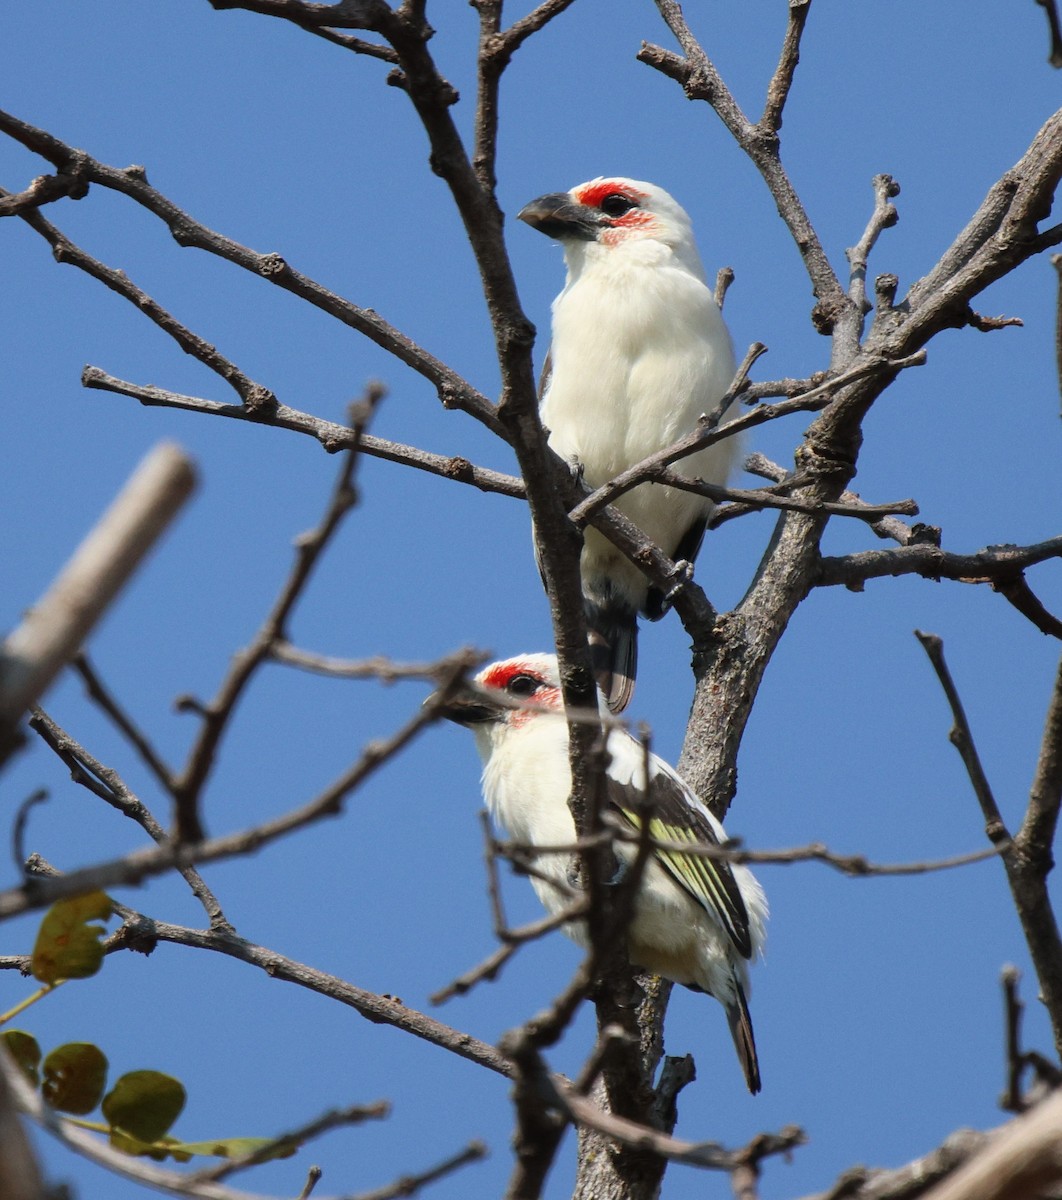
x=696 y=920
x=639 y=353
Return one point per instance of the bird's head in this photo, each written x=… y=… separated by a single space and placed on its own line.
x=615 y=214
x=508 y=695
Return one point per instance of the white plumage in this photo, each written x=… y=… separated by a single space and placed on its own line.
x=697 y=920
x=639 y=352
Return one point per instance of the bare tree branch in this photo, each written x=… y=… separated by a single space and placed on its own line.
x=332 y=436
x=1029 y=859
x=109 y=786
x=454 y=391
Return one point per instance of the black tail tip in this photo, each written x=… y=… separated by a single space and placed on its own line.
x=613 y=637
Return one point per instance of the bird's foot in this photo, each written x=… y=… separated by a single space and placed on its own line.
x=682 y=575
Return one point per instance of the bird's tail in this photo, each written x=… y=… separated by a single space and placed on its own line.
x=613 y=634
x=737 y=1013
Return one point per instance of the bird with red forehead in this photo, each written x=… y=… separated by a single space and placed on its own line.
x=639 y=353
x=696 y=920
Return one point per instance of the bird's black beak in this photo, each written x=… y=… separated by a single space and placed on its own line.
x=558 y=216
x=465 y=708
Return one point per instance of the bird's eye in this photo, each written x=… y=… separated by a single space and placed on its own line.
x=616 y=205
x=523 y=685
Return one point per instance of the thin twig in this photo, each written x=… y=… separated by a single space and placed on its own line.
x=143 y=864
x=409 y=1185
x=353 y=1114
x=123 y=722
x=309 y=547
x=332 y=436
x=254 y=395
x=782 y=80
x=106 y=783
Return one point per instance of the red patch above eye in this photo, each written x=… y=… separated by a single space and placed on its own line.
x=500 y=675
x=593 y=193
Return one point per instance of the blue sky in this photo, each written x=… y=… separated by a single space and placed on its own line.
x=878 y=1011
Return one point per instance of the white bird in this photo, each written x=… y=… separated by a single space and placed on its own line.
x=640 y=351
x=696 y=920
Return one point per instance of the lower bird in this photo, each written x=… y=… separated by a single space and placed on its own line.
x=696 y=920
x=639 y=353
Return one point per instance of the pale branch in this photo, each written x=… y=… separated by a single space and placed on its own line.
x=106 y=783
x=1023 y=1159
x=453 y=390
x=132 y=868
x=410 y=1184
x=52 y=631
x=20 y=1177
x=332 y=436
x=1027 y=862
x=101 y=695
x=309 y=547
x=992 y=565
x=782 y=79
x=253 y=395
x=884 y=216
x=352 y=1114
x=915 y=1178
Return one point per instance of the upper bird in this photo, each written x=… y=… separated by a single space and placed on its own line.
x=697 y=920
x=639 y=353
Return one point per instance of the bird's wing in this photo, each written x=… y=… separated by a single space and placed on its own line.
x=710 y=881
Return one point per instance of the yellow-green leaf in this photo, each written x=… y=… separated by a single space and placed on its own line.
x=237 y=1147
x=144 y=1104
x=169 y=1147
x=74 y=1077
x=165 y=1147
x=25 y=1051
x=68 y=947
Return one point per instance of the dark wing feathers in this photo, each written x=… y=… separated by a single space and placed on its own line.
x=710 y=881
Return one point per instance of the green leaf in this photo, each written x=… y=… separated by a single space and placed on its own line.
x=168 y=1147
x=25 y=1051
x=74 y=1077
x=67 y=946
x=160 y=1150
x=144 y=1104
x=237 y=1147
